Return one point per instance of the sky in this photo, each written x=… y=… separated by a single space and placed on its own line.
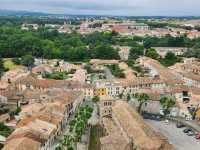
x=107 y=7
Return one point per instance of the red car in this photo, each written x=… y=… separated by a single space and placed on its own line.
x=197 y=136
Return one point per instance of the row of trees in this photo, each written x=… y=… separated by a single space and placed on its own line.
x=166 y=102
x=168 y=41
x=13 y=21
x=77 y=128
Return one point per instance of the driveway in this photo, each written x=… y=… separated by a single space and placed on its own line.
x=175 y=136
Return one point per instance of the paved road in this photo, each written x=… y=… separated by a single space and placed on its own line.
x=192 y=124
x=175 y=136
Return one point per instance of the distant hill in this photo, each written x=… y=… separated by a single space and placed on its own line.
x=37 y=14
x=21 y=13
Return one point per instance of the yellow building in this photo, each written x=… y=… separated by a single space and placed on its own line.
x=198 y=114
x=100 y=92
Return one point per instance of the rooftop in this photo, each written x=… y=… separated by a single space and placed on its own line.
x=135 y=128
x=23 y=143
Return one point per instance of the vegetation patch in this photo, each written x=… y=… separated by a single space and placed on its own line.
x=4 y=130
x=77 y=127
x=9 y=64
x=56 y=75
x=116 y=71
x=139 y=70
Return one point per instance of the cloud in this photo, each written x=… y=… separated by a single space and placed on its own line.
x=113 y=7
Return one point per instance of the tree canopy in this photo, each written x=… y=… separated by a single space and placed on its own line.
x=167 y=103
x=27 y=60
x=152 y=53
x=49 y=44
x=170 y=59
x=142 y=98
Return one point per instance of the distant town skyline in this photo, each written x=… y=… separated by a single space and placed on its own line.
x=105 y=7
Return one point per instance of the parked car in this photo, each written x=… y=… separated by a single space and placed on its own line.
x=180 y=125
x=188 y=118
x=190 y=133
x=166 y=121
x=197 y=136
x=187 y=130
x=151 y=116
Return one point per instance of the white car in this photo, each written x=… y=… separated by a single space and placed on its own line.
x=188 y=118
x=166 y=121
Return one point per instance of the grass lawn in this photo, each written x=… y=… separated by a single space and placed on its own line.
x=8 y=64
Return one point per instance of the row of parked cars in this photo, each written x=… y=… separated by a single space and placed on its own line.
x=189 y=131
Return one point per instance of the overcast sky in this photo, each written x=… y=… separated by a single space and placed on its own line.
x=108 y=7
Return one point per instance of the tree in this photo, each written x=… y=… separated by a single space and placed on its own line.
x=2 y=69
x=167 y=103
x=95 y=99
x=16 y=61
x=128 y=97
x=116 y=71
x=28 y=60
x=121 y=95
x=136 y=51
x=59 y=147
x=142 y=98
x=170 y=59
x=105 y=51
x=4 y=130
x=152 y=53
x=194 y=112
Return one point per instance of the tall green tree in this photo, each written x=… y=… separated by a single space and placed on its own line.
x=104 y=51
x=136 y=51
x=167 y=103
x=152 y=53
x=2 y=69
x=28 y=60
x=170 y=59
x=95 y=99
x=142 y=98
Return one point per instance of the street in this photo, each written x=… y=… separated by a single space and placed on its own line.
x=175 y=135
